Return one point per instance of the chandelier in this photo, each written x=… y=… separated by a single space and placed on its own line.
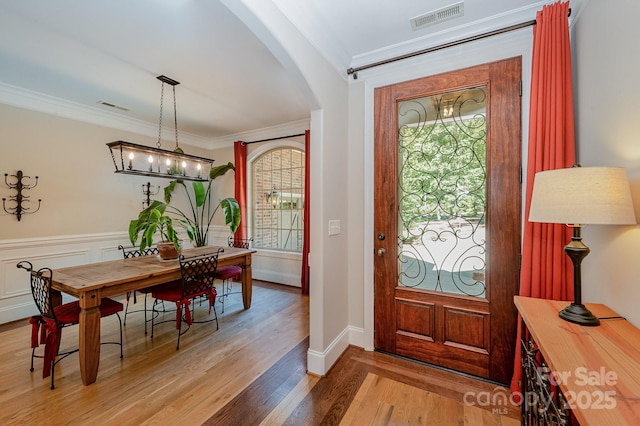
x=134 y=159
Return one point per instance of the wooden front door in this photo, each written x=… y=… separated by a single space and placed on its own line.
x=447 y=218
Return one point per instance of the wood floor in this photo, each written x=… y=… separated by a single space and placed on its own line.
x=249 y=372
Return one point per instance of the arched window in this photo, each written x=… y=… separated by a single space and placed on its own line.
x=278 y=199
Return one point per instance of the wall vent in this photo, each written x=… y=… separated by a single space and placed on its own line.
x=436 y=16
x=110 y=105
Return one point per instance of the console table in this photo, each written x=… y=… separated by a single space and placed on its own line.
x=574 y=374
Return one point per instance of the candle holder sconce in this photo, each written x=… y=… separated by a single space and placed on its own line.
x=19 y=198
x=147 y=191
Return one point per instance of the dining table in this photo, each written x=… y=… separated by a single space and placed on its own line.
x=91 y=282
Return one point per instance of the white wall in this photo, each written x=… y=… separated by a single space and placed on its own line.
x=607 y=90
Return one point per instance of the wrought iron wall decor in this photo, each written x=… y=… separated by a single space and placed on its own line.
x=134 y=159
x=147 y=191
x=19 y=198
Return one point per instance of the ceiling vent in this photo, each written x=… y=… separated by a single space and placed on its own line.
x=436 y=16
x=110 y=105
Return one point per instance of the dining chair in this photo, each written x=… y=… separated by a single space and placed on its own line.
x=129 y=253
x=197 y=280
x=47 y=327
x=231 y=273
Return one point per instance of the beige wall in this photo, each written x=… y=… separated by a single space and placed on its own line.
x=79 y=191
x=607 y=90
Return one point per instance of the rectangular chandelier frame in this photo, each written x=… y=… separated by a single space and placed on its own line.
x=134 y=159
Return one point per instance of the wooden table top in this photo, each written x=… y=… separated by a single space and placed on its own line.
x=122 y=275
x=601 y=365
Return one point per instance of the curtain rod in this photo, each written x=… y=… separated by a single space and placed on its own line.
x=355 y=70
x=274 y=139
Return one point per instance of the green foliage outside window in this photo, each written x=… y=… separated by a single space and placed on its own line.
x=442 y=171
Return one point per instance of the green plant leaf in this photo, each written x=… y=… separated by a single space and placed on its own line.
x=231 y=211
x=168 y=190
x=133 y=232
x=147 y=238
x=221 y=170
x=200 y=193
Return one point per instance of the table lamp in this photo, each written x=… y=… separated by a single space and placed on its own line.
x=580 y=196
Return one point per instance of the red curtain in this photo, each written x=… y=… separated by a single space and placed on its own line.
x=546 y=270
x=304 y=276
x=240 y=162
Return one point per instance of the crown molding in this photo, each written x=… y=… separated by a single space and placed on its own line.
x=39 y=102
x=512 y=17
x=290 y=128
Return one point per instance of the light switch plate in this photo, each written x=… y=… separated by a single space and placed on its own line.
x=334 y=227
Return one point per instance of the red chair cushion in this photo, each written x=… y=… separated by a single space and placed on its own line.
x=227 y=272
x=171 y=291
x=69 y=313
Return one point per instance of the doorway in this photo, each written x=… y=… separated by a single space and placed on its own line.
x=447 y=199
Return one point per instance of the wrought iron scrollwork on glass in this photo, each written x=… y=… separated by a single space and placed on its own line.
x=442 y=187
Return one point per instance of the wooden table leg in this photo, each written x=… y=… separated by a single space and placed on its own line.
x=247 y=286
x=89 y=339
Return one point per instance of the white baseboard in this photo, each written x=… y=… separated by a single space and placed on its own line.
x=319 y=363
x=357 y=337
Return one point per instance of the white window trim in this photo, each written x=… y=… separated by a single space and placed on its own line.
x=252 y=155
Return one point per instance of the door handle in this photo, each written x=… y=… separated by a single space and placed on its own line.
x=381 y=252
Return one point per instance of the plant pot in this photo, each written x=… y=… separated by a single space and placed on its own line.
x=167 y=250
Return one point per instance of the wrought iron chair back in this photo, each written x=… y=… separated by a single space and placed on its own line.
x=41 y=289
x=131 y=252
x=244 y=243
x=198 y=273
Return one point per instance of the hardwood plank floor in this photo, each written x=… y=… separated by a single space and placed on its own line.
x=251 y=371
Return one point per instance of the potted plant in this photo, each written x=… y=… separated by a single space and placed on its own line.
x=195 y=222
x=151 y=220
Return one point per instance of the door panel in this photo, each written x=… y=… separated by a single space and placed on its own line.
x=447 y=218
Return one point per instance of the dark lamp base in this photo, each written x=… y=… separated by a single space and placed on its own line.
x=578 y=314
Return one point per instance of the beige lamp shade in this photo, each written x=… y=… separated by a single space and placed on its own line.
x=581 y=196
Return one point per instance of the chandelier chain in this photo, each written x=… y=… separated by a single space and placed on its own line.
x=158 y=144
x=175 y=115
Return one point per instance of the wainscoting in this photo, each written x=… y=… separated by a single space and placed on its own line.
x=62 y=251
